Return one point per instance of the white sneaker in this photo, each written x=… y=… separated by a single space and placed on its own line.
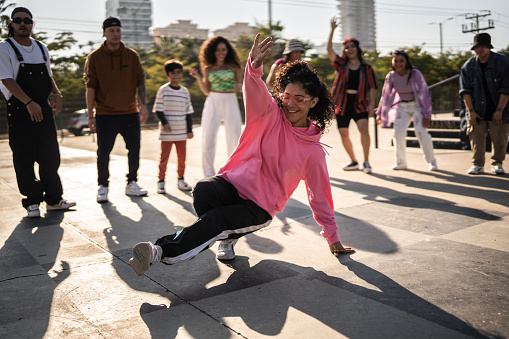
x=145 y=254
x=225 y=249
x=160 y=187
x=399 y=167
x=62 y=205
x=476 y=170
x=102 y=194
x=497 y=169
x=183 y=186
x=33 y=211
x=367 y=167
x=433 y=165
x=134 y=189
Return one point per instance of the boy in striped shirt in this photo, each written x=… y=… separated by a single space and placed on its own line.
x=174 y=110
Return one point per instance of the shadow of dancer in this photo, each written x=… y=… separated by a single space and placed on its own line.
x=328 y=299
x=396 y=296
x=177 y=285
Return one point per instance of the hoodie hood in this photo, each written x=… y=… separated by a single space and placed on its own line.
x=117 y=53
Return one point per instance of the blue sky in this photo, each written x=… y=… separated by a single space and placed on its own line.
x=399 y=22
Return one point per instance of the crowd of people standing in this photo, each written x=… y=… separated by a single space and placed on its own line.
x=280 y=146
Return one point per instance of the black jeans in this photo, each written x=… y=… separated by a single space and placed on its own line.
x=108 y=127
x=222 y=213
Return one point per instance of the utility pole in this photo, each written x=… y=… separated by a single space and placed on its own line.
x=474 y=26
x=270 y=17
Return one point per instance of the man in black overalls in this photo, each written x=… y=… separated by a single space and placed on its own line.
x=32 y=130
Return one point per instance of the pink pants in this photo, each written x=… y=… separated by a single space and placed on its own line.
x=165 y=155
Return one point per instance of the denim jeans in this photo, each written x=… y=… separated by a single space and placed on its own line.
x=410 y=111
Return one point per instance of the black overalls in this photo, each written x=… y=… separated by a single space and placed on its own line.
x=32 y=141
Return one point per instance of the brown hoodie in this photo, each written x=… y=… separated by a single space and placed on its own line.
x=115 y=76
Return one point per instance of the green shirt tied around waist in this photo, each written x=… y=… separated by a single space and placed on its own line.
x=223 y=80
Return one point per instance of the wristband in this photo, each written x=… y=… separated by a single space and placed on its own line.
x=28 y=102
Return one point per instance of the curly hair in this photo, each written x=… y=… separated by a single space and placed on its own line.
x=299 y=72
x=208 y=53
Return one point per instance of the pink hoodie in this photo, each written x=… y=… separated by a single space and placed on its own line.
x=272 y=157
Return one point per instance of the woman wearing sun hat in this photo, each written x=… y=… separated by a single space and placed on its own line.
x=293 y=51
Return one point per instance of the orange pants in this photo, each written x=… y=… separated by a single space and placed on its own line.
x=165 y=155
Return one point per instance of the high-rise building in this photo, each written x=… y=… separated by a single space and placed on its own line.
x=358 y=21
x=136 y=18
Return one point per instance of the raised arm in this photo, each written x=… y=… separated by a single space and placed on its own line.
x=330 y=51
x=202 y=81
x=259 y=51
x=257 y=98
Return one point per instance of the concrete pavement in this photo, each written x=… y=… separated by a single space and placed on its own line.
x=431 y=255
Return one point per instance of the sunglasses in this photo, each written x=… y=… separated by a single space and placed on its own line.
x=19 y=20
x=285 y=97
x=399 y=51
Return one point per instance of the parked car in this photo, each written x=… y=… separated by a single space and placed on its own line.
x=78 y=123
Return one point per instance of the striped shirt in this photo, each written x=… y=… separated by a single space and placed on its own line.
x=366 y=82
x=175 y=104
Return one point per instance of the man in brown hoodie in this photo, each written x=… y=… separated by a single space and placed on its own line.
x=115 y=83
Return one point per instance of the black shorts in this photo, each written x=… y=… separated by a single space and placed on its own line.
x=349 y=113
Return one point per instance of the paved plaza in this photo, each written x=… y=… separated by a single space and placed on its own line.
x=431 y=260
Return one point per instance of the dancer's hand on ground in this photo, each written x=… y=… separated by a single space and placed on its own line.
x=338 y=249
x=260 y=50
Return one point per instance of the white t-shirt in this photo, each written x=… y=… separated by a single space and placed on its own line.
x=9 y=64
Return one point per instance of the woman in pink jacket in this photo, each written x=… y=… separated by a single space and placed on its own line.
x=280 y=146
x=405 y=94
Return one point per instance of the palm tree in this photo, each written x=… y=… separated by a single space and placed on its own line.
x=4 y=19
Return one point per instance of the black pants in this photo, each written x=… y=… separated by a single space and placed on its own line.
x=222 y=214
x=33 y=142
x=108 y=127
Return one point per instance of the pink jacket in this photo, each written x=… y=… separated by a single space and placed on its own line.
x=386 y=107
x=272 y=157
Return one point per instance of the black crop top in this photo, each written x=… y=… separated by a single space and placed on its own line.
x=353 y=78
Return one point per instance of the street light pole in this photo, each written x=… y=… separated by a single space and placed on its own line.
x=440 y=27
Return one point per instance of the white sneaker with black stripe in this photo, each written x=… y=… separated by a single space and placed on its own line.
x=225 y=249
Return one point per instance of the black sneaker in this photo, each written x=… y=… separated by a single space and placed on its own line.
x=351 y=166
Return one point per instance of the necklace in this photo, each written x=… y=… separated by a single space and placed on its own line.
x=26 y=48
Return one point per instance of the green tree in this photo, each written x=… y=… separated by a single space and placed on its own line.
x=4 y=19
